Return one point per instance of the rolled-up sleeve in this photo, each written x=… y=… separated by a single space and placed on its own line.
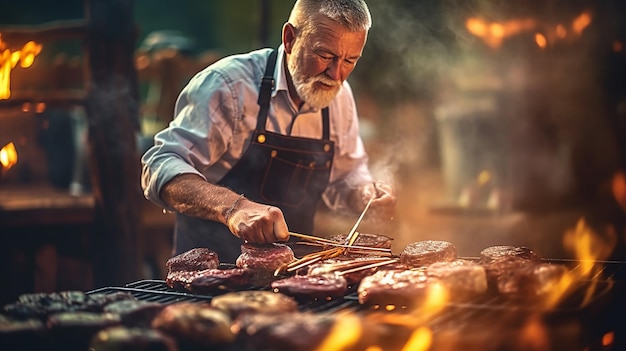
x=197 y=137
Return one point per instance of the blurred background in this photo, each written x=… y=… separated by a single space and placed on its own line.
x=497 y=122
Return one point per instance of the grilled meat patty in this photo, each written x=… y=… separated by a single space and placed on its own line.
x=422 y=253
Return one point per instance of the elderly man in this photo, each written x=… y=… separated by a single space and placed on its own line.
x=258 y=139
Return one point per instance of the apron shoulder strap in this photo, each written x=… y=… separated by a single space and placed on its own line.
x=265 y=94
x=267 y=84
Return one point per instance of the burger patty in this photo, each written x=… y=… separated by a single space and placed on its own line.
x=196 y=259
x=394 y=287
x=495 y=253
x=254 y=301
x=312 y=286
x=264 y=258
x=422 y=253
x=208 y=280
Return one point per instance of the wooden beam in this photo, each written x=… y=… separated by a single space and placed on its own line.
x=112 y=112
x=51 y=31
x=50 y=98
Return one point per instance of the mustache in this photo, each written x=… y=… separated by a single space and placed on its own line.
x=327 y=81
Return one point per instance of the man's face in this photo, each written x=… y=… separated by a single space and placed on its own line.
x=321 y=61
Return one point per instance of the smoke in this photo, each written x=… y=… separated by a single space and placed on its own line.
x=538 y=118
x=406 y=50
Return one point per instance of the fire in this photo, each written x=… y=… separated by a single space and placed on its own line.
x=541 y=40
x=9 y=59
x=8 y=156
x=589 y=247
x=581 y=22
x=494 y=33
x=420 y=339
x=345 y=333
x=436 y=299
x=619 y=189
x=534 y=335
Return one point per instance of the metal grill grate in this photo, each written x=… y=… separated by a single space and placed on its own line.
x=158 y=291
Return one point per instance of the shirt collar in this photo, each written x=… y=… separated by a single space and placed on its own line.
x=281 y=77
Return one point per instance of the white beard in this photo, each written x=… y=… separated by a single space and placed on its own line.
x=305 y=87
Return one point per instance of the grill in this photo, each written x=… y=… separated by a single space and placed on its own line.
x=585 y=320
x=158 y=291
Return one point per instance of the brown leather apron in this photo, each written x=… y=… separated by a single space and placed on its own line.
x=280 y=170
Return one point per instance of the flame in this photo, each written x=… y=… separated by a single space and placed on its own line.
x=619 y=188
x=9 y=59
x=494 y=33
x=541 y=40
x=420 y=339
x=608 y=339
x=8 y=156
x=534 y=335
x=588 y=247
x=484 y=177
x=581 y=22
x=345 y=333
x=436 y=298
x=560 y=31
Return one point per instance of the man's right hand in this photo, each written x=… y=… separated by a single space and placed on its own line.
x=257 y=223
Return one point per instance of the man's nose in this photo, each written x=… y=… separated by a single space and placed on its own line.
x=333 y=71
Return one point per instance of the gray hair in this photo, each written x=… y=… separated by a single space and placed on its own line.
x=352 y=14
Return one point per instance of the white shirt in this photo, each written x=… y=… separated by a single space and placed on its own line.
x=216 y=113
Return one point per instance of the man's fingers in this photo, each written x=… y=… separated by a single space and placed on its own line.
x=281 y=231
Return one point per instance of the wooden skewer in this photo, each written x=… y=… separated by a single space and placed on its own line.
x=357 y=251
x=310 y=237
x=332 y=267
x=304 y=264
x=310 y=243
x=373 y=265
x=353 y=233
x=355 y=247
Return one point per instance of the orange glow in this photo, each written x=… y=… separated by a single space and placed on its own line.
x=40 y=107
x=484 y=177
x=619 y=189
x=345 y=333
x=581 y=22
x=8 y=156
x=420 y=339
x=436 y=299
x=588 y=247
x=8 y=61
x=541 y=40
x=608 y=339
x=534 y=336
x=618 y=46
x=561 y=32
x=495 y=32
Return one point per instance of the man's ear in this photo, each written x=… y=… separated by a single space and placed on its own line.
x=289 y=37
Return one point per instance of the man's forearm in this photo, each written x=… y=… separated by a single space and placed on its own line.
x=191 y=195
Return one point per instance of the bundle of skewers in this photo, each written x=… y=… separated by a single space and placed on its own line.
x=332 y=249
